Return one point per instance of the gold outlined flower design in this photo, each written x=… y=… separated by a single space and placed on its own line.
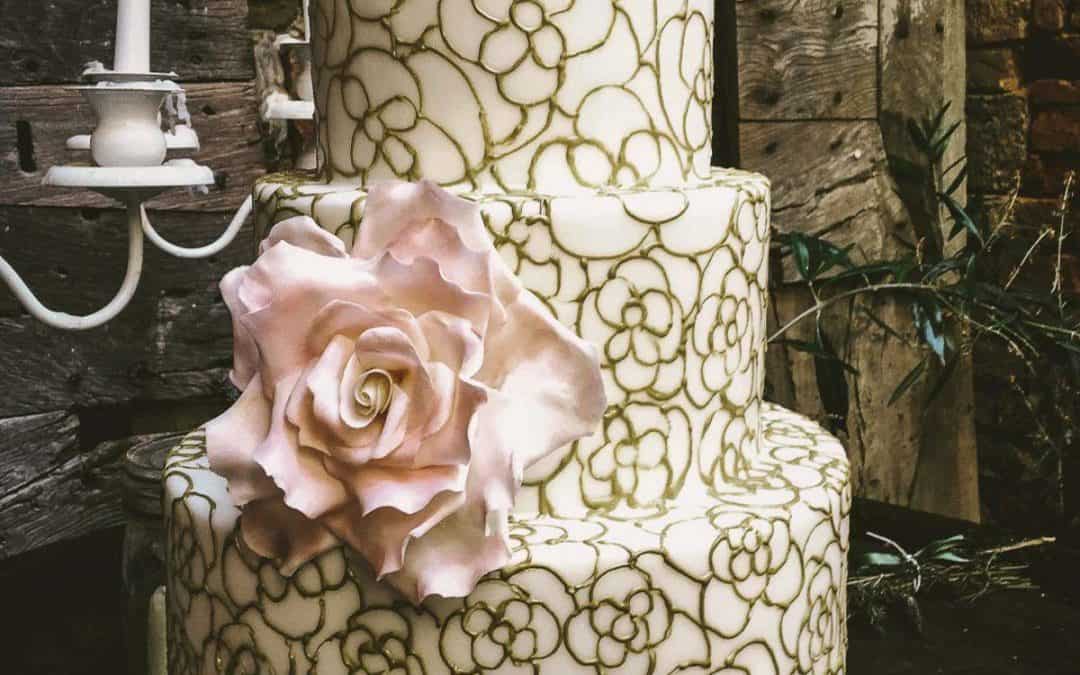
x=754 y=584
x=376 y=641
x=638 y=318
x=503 y=624
x=687 y=98
x=727 y=333
x=813 y=628
x=641 y=458
x=756 y=559
x=626 y=618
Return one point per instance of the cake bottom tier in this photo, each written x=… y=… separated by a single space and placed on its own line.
x=751 y=582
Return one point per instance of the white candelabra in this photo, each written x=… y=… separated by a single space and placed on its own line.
x=129 y=148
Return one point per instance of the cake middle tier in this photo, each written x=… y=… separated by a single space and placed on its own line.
x=505 y=95
x=670 y=285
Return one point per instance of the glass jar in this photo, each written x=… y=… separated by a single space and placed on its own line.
x=144 y=545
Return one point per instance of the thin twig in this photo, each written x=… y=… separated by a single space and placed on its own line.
x=907 y=556
x=1066 y=196
x=824 y=304
x=1027 y=256
x=1022 y=545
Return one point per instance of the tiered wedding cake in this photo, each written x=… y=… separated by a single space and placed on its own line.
x=699 y=530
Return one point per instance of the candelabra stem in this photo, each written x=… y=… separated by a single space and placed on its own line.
x=132 y=37
x=204 y=251
x=107 y=313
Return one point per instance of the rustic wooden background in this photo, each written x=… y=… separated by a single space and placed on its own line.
x=825 y=93
x=818 y=101
x=75 y=400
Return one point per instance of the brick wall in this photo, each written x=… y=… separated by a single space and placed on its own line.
x=1023 y=109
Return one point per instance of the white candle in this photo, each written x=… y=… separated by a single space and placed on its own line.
x=157 y=656
x=132 y=36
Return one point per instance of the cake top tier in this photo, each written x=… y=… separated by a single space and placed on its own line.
x=552 y=96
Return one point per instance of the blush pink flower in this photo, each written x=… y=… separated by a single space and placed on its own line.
x=394 y=396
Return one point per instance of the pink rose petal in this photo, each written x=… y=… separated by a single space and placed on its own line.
x=394 y=207
x=274 y=531
x=303 y=232
x=550 y=397
x=245 y=352
x=384 y=536
x=453 y=342
x=230 y=439
x=299 y=472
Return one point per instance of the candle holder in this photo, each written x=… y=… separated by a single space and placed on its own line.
x=279 y=105
x=128 y=148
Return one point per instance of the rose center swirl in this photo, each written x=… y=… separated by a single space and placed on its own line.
x=373 y=393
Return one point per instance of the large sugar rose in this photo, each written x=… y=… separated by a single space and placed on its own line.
x=394 y=396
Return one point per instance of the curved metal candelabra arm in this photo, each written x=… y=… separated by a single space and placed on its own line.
x=138 y=223
x=204 y=251
x=107 y=313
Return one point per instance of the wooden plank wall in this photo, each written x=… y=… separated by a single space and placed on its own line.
x=825 y=92
x=72 y=400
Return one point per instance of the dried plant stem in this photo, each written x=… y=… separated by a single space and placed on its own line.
x=1058 y=287
x=832 y=300
x=1022 y=545
x=1027 y=256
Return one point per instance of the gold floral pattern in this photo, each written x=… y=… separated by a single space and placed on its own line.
x=498 y=95
x=670 y=287
x=749 y=580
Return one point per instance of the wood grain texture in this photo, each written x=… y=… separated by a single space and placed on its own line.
x=50 y=489
x=831 y=177
x=807 y=59
x=225 y=115
x=173 y=342
x=50 y=42
x=923 y=49
x=43 y=497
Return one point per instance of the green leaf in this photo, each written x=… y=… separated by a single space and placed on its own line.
x=817 y=351
x=942 y=143
x=962 y=219
x=801 y=250
x=941 y=380
x=882 y=560
x=831 y=383
x=934 y=125
x=957 y=181
x=918 y=136
x=906 y=170
x=928 y=316
x=951 y=557
x=909 y=380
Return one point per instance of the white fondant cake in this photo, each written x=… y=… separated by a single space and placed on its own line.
x=700 y=530
x=499 y=95
x=751 y=583
x=670 y=284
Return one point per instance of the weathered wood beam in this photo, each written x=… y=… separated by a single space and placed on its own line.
x=924 y=68
x=50 y=42
x=807 y=60
x=35 y=123
x=50 y=490
x=829 y=178
x=829 y=161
